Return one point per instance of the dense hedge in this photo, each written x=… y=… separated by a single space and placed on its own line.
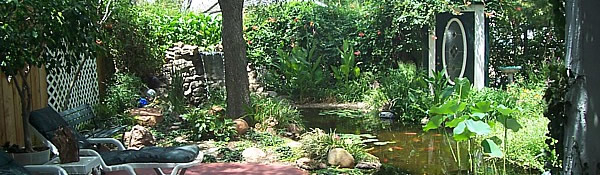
x=382 y=31
x=387 y=31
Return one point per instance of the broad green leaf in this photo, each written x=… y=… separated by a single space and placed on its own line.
x=450 y=107
x=479 y=115
x=482 y=107
x=496 y=140
x=460 y=128
x=478 y=127
x=443 y=110
x=454 y=122
x=463 y=87
x=490 y=148
x=509 y=123
x=465 y=135
x=504 y=110
x=459 y=107
x=434 y=122
x=447 y=93
x=512 y=124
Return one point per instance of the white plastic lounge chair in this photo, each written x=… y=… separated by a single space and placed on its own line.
x=52 y=169
x=51 y=117
x=8 y=165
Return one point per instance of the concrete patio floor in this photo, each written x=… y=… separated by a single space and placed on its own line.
x=230 y=169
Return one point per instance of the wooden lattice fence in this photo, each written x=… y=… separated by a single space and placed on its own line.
x=11 y=123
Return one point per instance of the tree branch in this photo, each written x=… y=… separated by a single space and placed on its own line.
x=106 y=12
x=75 y=79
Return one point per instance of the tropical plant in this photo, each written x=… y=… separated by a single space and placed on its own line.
x=205 y=124
x=176 y=97
x=348 y=66
x=469 y=121
x=407 y=92
x=301 y=70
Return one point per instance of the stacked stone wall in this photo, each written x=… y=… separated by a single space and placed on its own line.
x=201 y=71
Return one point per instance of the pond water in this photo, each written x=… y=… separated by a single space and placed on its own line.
x=410 y=150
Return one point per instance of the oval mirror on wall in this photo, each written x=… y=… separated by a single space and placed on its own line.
x=454 y=47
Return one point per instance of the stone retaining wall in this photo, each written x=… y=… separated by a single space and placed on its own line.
x=200 y=70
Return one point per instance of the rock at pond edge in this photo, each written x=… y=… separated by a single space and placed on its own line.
x=340 y=157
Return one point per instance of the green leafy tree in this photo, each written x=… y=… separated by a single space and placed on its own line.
x=36 y=33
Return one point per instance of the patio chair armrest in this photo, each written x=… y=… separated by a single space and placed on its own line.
x=115 y=142
x=52 y=169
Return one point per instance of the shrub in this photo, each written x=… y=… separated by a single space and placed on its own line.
x=267 y=110
x=316 y=145
x=121 y=95
x=402 y=90
x=526 y=146
x=353 y=90
x=265 y=139
x=207 y=123
x=300 y=71
x=229 y=155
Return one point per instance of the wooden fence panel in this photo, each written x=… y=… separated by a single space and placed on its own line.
x=11 y=123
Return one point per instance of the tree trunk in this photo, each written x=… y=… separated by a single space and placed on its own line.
x=581 y=142
x=234 y=48
x=25 y=95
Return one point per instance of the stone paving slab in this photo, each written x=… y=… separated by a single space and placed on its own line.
x=230 y=169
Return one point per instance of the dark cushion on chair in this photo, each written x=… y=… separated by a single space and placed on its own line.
x=47 y=121
x=180 y=154
x=9 y=167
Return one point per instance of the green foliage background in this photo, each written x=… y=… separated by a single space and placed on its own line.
x=137 y=36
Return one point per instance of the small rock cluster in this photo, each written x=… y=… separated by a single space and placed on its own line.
x=337 y=157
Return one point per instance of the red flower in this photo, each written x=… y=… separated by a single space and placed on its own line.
x=518 y=8
x=295 y=19
x=378 y=32
x=249 y=42
x=361 y=34
x=98 y=41
x=357 y=53
x=434 y=37
x=312 y=24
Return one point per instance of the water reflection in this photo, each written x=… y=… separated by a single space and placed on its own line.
x=410 y=150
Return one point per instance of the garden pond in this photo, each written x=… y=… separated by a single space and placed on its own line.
x=402 y=149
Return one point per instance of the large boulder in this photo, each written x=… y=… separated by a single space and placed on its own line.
x=340 y=157
x=147 y=116
x=138 y=137
x=253 y=154
x=241 y=126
